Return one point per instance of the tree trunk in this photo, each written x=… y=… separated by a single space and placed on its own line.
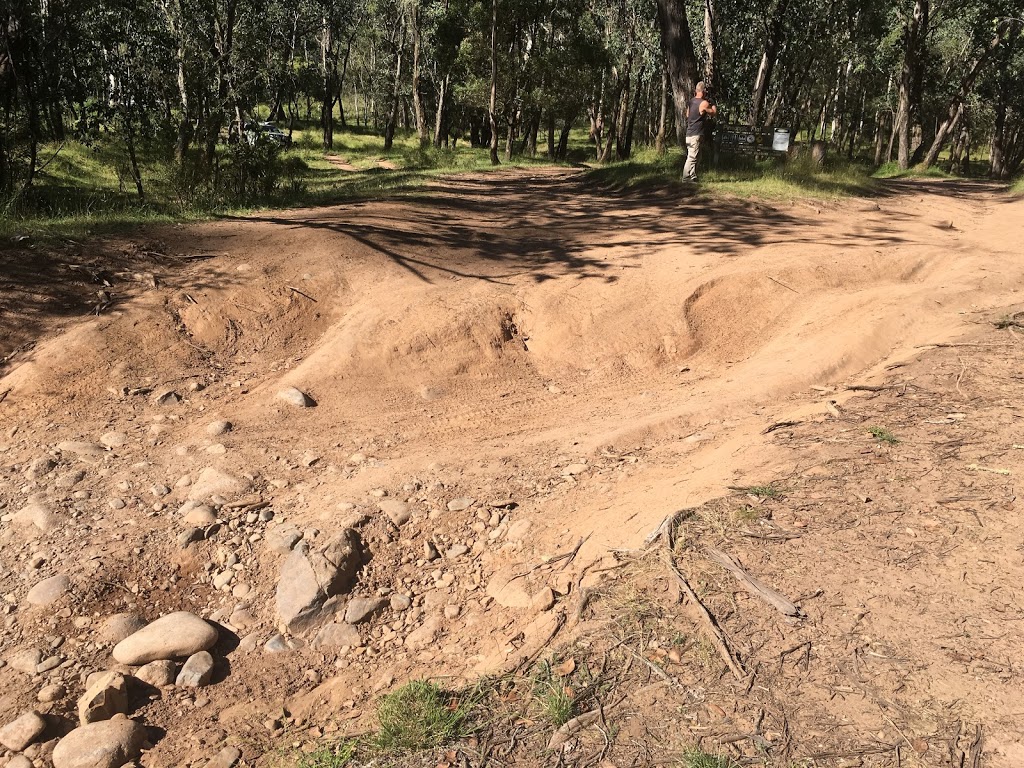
x=442 y=105
x=494 y=84
x=396 y=98
x=659 y=141
x=997 y=153
x=563 y=139
x=710 y=45
x=129 y=140
x=910 y=77
x=551 y=135
x=773 y=37
x=631 y=124
x=680 y=57
x=417 y=99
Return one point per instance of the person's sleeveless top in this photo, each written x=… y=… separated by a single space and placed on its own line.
x=694 y=119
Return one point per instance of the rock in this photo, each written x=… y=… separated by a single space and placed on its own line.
x=199 y=516
x=172 y=636
x=226 y=758
x=37 y=514
x=26 y=660
x=217 y=449
x=19 y=761
x=197 y=671
x=282 y=539
x=309 y=577
x=40 y=467
x=190 y=536
x=336 y=635
x=24 y=731
x=117 y=504
x=165 y=397
x=277 y=644
x=114 y=439
x=574 y=469
x=49 y=590
x=50 y=693
x=158 y=673
x=47 y=664
x=400 y=602
x=213 y=482
x=80 y=448
x=518 y=530
x=359 y=609
x=457 y=505
x=543 y=600
x=105 y=697
x=217 y=428
x=120 y=625
x=430 y=552
x=296 y=397
x=452 y=611
x=506 y=590
x=456 y=550
x=424 y=635
x=106 y=744
x=398 y=512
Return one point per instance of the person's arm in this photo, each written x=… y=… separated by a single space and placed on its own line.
x=707 y=108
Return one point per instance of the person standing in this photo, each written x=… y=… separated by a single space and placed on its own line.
x=698 y=112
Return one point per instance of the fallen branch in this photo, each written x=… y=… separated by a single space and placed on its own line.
x=717 y=636
x=754 y=585
x=301 y=293
x=868 y=387
x=4 y=394
x=779 y=425
x=779 y=282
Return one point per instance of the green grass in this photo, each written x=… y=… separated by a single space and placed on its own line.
x=421 y=715
x=892 y=171
x=698 y=758
x=1017 y=188
x=553 y=699
x=338 y=755
x=883 y=435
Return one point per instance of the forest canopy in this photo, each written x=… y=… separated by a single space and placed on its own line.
x=916 y=82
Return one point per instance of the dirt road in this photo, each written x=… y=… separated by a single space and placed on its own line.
x=604 y=359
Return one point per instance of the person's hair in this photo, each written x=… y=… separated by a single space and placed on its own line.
x=700 y=87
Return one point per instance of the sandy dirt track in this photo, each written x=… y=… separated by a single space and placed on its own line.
x=605 y=359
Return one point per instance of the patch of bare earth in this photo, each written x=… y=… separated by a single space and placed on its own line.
x=516 y=379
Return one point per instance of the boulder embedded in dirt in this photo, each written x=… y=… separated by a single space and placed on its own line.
x=24 y=731
x=197 y=671
x=424 y=635
x=359 y=609
x=173 y=636
x=114 y=439
x=81 y=448
x=506 y=590
x=106 y=697
x=106 y=744
x=120 y=625
x=213 y=482
x=309 y=577
x=226 y=758
x=37 y=514
x=334 y=635
x=157 y=673
x=296 y=397
x=49 y=590
x=398 y=512
x=217 y=428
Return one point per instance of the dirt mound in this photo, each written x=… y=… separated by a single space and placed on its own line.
x=497 y=392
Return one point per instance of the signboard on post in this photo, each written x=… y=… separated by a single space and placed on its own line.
x=747 y=140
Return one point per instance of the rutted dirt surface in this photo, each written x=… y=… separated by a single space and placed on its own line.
x=521 y=362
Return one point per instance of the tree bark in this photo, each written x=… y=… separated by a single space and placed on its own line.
x=494 y=84
x=680 y=57
x=659 y=141
x=910 y=77
x=396 y=99
x=711 y=65
x=773 y=37
x=442 y=105
x=417 y=99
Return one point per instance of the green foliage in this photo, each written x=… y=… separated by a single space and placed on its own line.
x=764 y=491
x=420 y=715
x=554 y=700
x=883 y=435
x=698 y=758
x=340 y=755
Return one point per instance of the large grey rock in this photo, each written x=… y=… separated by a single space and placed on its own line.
x=105 y=697
x=106 y=744
x=226 y=758
x=26 y=660
x=310 y=576
x=296 y=397
x=49 y=590
x=197 y=671
x=24 y=731
x=336 y=635
x=173 y=636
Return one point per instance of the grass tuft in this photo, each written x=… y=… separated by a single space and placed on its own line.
x=338 y=755
x=421 y=715
x=554 y=698
x=698 y=758
x=883 y=435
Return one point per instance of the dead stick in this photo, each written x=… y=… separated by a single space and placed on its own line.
x=779 y=282
x=709 y=622
x=301 y=293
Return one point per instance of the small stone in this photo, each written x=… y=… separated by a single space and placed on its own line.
x=217 y=449
x=159 y=490
x=47 y=664
x=120 y=625
x=424 y=635
x=157 y=673
x=400 y=602
x=452 y=611
x=49 y=591
x=360 y=609
x=276 y=644
x=226 y=758
x=165 y=397
x=19 y=761
x=398 y=512
x=117 y=504
x=573 y=470
x=201 y=516
x=26 y=661
x=105 y=697
x=24 y=731
x=283 y=539
x=81 y=448
x=336 y=635
x=40 y=467
x=456 y=550
x=114 y=439
x=190 y=536
x=296 y=397
x=222 y=579
x=309 y=577
x=196 y=672
x=543 y=600
x=172 y=636
x=37 y=514
x=430 y=552
x=51 y=693
x=106 y=744
x=459 y=504
x=217 y=428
